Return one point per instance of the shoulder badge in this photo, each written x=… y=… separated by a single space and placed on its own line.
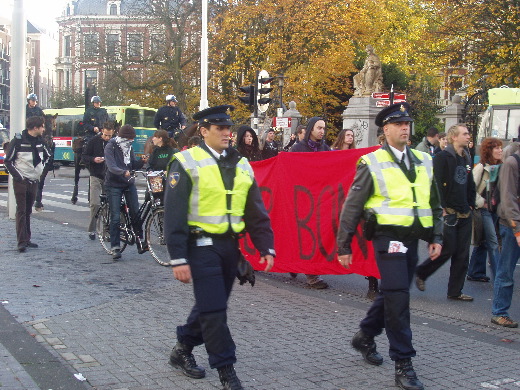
x=174 y=178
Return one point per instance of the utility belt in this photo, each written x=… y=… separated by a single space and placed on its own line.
x=196 y=233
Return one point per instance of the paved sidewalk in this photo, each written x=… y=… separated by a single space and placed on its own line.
x=115 y=324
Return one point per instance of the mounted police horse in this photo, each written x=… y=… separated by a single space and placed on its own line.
x=50 y=128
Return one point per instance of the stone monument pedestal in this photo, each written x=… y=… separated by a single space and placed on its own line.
x=360 y=116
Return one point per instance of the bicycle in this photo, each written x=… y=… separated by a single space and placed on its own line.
x=151 y=212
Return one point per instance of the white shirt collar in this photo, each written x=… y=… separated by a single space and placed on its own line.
x=215 y=153
x=399 y=155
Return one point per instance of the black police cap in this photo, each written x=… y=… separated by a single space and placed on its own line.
x=218 y=115
x=395 y=113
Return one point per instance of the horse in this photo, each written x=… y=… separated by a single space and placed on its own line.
x=184 y=135
x=50 y=128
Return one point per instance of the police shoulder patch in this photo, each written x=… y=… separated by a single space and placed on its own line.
x=174 y=178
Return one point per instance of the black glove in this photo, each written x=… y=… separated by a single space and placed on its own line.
x=245 y=271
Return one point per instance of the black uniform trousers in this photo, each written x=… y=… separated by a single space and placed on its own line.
x=456 y=244
x=213 y=270
x=391 y=308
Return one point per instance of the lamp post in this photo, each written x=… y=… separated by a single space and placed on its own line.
x=280 y=86
x=204 y=58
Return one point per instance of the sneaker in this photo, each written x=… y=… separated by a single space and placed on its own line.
x=420 y=283
x=461 y=297
x=38 y=206
x=22 y=248
x=319 y=285
x=92 y=235
x=116 y=254
x=31 y=245
x=504 y=321
x=478 y=279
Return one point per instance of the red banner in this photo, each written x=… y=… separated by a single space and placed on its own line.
x=304 y=194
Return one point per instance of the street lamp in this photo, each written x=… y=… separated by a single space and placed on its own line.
x=280 y=86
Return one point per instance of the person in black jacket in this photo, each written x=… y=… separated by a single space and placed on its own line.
x=452 y=168
x=313 y=142
x=32 y=108
x=271 y=146
x=120 y=161
x=164 y=148
x=94 y=158
x=25 y=159
x=247 y=143
x=170 y=118
x=202 y=180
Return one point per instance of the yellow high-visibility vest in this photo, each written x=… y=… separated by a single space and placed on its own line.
x=393 y=199
x=207 y=205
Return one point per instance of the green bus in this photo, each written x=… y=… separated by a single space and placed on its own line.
x=69 y=126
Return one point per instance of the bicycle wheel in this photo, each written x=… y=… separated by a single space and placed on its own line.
x=155 y=237
x=103 y=227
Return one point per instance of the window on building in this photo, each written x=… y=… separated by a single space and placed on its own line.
x=91 y=45
x=112 y=44
x=113 y=9
x=156 y=44
x=66 y=46
x=67 y=79
x=91 y=77
x=135 y=45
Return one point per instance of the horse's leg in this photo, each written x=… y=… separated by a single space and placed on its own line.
x=38 y=205
x=77 y=170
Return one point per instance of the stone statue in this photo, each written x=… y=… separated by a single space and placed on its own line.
x=370 y=78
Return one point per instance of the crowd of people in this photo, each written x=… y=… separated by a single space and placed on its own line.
x=211 y=198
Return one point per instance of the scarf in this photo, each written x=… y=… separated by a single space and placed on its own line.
x=35 y=155
x=126 y=147
x=314 y=145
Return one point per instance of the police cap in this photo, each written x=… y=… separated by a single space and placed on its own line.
x=218 y=115
x=395 y=113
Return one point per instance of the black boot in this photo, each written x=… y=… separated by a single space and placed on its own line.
x=74 y=198
x=405 y=376
x=228 y=378
x=367 y=346
x=181 y=357
x=373 y=288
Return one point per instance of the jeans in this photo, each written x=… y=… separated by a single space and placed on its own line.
x=477 y=262
x=24 y=194
x=114 y=195
x=505 y=268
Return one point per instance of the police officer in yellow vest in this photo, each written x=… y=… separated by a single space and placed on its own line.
x=211 y=198
x=395 y=192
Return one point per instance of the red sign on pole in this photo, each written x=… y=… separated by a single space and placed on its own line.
x=386 y=102
x=385 y=95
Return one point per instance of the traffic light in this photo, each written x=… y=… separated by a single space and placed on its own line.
x=250 y=98
x=264 y=89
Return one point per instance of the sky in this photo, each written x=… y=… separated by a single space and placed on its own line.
x=41 y=12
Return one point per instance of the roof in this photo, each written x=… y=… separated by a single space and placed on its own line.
x=99 y=7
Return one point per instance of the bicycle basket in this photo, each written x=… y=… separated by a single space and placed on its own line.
x=156 y=182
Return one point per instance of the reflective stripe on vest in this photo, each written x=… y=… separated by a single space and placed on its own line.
x=208 y=199
x=393 y=197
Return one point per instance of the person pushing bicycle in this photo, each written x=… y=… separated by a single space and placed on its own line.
x=120 y=161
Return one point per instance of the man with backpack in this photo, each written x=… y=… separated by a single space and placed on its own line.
x=509 y=226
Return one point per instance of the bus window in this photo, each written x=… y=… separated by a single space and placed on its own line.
x=132 y=117
x=505 y=123
x=64 y=125
x=149 y=117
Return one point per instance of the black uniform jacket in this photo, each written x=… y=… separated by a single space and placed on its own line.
x=176 y=204
x=34 y=111
x=94 y=117
x=362 y=189
x=169 y=118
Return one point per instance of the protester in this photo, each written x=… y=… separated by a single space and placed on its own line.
x=202 y=239
x=296 y=137
x=32 y=108
x=94 y=158
x=25 y=159
x=396 y=187
x=271 y=146
x=443 y=142
x=430 y=142
x=247 y=143
x=164 y=148
x=170 y=118
x=120 y=161
x=452 y=168
x=313 y=141
x=509 y=227
x=485 y=175
x=345 y=140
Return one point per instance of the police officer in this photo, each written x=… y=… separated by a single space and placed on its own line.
x=170 y=117
x=94 y=118
x=32 y=109
x=395 y=191
x=211 y=199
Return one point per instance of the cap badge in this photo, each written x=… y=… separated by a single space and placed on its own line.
x=402 y=108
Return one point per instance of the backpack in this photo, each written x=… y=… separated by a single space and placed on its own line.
x=493 y=195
